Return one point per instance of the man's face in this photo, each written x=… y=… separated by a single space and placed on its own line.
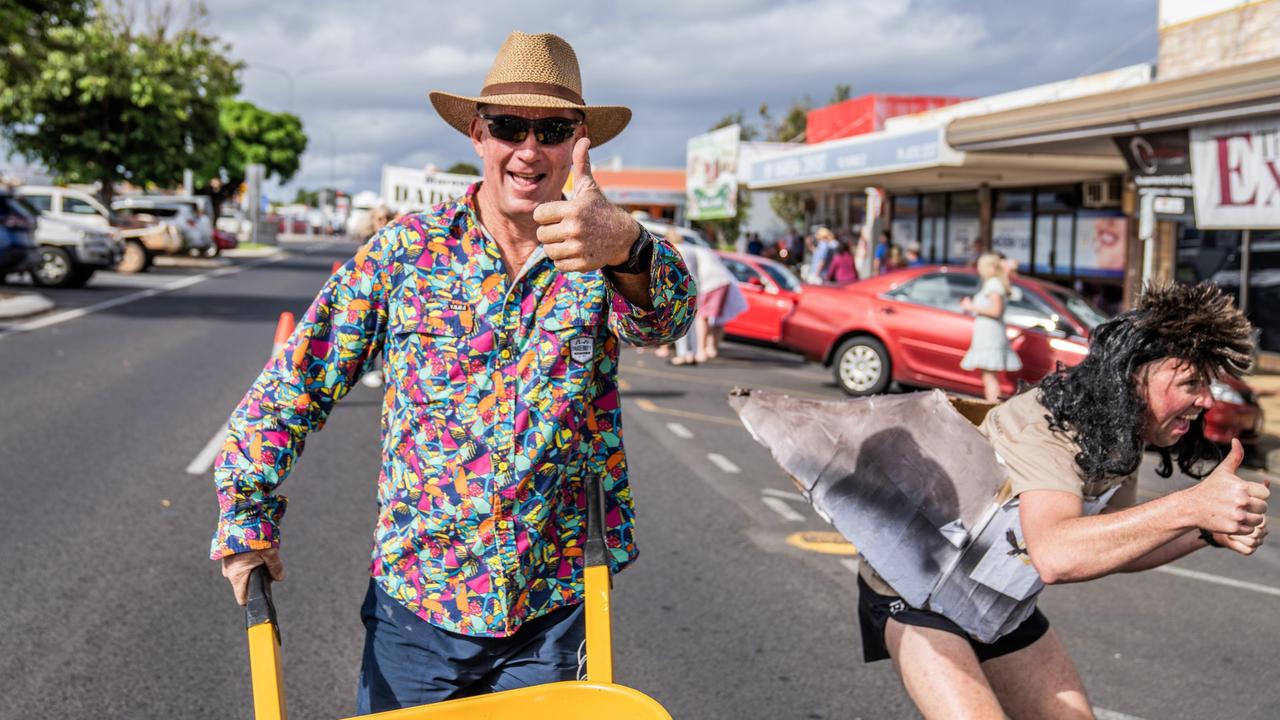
x=519 y=177
x=1176 y=394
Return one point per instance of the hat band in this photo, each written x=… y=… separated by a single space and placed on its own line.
x=532 y=88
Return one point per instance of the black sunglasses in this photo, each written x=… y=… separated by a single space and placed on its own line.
x=514 y=129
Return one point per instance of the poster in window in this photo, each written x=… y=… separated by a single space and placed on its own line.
x=962 y=233
x=1011 y=235
x=1100 y=244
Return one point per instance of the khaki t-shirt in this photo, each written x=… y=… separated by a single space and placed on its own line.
x=1035 y=458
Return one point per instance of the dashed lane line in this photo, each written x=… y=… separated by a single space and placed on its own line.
x=200 y=465
x=688 y=378
x=1219 y=580
x=784 y=495
x=782 y=508
x=67 y=315
x=724 y=464
x=680 y=431
x=648 y=406
x=1105 y=714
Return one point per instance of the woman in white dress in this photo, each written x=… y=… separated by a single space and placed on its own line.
x=989 y=351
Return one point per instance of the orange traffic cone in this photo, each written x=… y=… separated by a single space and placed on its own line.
x=284 y=328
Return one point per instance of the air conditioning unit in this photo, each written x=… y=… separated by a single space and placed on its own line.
x=1101 y=194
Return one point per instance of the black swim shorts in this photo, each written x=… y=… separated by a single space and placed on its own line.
x=874 y=610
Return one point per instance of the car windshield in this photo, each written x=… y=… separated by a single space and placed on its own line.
x=15 y=205
x=1089 y=315
x=784 y=278
x=153 y=211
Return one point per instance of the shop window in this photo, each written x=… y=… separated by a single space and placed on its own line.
x=1063 y=198
x=904 y=226
x=1011 y=225
x=963 y=226
x=1012 y=201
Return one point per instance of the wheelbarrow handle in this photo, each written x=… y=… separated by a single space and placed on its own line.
x=259 y=608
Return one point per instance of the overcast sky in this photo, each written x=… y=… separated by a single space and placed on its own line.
x=361 y=71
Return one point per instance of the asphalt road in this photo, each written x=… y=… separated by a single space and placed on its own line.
x=109 y=607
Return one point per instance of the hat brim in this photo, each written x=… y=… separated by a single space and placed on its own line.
x=604 y=122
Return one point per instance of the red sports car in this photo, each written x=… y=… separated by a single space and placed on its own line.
x=770 y=289
x=908 y=326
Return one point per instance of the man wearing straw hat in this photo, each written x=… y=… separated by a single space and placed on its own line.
x=499 y=315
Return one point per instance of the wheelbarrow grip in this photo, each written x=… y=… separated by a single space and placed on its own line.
x=259 y=608
x=595 y=551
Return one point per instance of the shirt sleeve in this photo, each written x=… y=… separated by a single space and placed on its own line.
x=674 y=297
x=338 y=339
x=1034 y=457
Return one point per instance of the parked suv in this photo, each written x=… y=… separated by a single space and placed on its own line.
x=71 y=252
x=197 y=238
x=143 y=240
x=17 y=243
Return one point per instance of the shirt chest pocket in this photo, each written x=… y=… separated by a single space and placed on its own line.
x=429 y=355
x=570 y=344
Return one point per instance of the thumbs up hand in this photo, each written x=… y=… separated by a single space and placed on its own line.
x=1226 y=504
x=585 y=232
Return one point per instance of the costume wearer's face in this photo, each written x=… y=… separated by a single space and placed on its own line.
x=1176 y=394
x=519 y=177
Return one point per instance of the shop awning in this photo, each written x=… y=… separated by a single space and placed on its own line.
x=917 y=161
x=1228 y=93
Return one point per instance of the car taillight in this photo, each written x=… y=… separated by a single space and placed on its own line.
x=191 y=222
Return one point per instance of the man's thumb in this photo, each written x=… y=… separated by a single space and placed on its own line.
x=582 y=178
x=1233 y=459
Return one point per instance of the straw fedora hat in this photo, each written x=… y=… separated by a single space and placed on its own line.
x=538 y=71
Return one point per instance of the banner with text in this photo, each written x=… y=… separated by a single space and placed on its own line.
x=1235 y=171
x=711 y=174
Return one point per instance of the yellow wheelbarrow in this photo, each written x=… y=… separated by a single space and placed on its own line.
x=590 y=699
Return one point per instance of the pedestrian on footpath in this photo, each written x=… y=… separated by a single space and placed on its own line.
x=1071 y=449
x=500 y=316
x=842 y=269
x=989 y=349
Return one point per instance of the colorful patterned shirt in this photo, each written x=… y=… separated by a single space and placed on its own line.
x=501 y=396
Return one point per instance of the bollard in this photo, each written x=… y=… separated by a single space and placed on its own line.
x=284 y=328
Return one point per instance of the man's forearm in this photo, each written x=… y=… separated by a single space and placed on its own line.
x=633 y=287
x=1181 y=546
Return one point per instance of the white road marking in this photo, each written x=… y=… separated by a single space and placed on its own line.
x=200 y=465
x=680 y=431
x=782 y=508
x=723 y=463
x=1105 y=714
x=851 y=563
x=66 y=315
x=784 y=495
x=1219 y=580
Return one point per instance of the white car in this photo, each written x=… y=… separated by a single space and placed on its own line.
x=71 y=252
x=197 y=235
x=142 y=240
x=233 y=221
x=660 y=229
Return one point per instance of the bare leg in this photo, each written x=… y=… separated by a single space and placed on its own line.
x=991 y=386
x=1039 y=681
x=941 y=673
x=701 y=344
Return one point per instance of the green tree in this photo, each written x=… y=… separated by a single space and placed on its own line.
x=25 y=28
x=251 y=135
x=112 y=103
x=463 y=168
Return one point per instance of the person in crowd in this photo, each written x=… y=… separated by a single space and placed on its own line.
x=492 y=311
x=754 y=244
x=894 y=260
x=989 y=350
x=913 y=255
x=864 y=256
x=879 y=262
x=684 y=351
x=1071 y=449
x=824 y=244
x=841 y=270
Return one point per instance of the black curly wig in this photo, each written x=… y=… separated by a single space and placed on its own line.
x=1098 y=403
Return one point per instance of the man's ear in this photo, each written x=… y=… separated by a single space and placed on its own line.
x=476 y=132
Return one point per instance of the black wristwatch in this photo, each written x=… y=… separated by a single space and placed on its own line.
x=639 y=259
x=1207 y=536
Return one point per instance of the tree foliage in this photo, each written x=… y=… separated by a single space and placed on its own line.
x=112 y=102
x=250 y=135
x=25 y=28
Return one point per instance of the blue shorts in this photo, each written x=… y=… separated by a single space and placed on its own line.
x=407 y=661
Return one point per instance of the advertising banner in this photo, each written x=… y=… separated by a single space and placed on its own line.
x=711 y=174
x=406 y=188
x=1011 y=235
x=1235 y=171
x=1100 y=244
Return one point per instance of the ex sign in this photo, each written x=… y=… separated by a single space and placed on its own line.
x=1235 y=171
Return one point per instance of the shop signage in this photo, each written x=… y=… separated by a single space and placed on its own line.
x=418 y=189
x=1166 y=205
x=1236 y=173
x=849 y=158
x=711 y=174
x=1158 y=160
